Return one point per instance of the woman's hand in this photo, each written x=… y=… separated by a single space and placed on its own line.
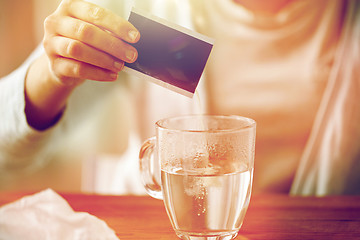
x=81 y=41
x=85 y=41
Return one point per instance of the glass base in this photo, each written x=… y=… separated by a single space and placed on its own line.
x=207 y=236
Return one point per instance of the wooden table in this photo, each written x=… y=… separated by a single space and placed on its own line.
x=268 y=217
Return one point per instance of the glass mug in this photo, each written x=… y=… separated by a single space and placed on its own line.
x=202 y=168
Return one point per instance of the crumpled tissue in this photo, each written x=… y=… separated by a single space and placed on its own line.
x=46 y=215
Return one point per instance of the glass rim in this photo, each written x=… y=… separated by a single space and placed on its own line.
x=251 y=123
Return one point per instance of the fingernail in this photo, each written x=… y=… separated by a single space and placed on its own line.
x=133 y=34
x=118 y=65
x=130 y=55
x=113 y=76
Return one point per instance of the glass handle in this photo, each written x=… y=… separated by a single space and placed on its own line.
x=150 y=168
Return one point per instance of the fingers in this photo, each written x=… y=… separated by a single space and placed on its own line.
x=96 y=38
x=84 y=41
x=71 y=60
x=103 y=18
x=73 y=49
x=71 y=72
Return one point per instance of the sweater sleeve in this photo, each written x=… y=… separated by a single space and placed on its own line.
x=21 y=147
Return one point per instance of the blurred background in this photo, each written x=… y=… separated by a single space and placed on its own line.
x=21 y=30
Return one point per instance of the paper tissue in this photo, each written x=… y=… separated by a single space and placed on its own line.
x=46 y=215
